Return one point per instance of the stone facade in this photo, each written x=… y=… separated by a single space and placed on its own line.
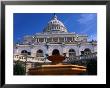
x=55 y=36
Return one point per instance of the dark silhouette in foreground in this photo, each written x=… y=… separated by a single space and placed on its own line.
x=18 y=68
x=92 y=67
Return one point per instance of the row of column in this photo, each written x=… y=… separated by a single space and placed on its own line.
x=45 y=39
x=54 y=27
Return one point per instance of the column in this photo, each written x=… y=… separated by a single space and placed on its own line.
x=38 y=39
x=52 y=39
x=58 y=39
x=72 y=39
x=64 y=39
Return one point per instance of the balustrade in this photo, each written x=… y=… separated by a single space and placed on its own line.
x=76 y=58
x=22 y=58
x=68 y=59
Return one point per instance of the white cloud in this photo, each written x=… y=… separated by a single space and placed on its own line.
x=86 y=18
x=87 y=23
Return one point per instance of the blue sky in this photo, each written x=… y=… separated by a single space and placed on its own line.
x=31 y=23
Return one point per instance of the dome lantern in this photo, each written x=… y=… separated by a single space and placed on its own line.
x=55 y=17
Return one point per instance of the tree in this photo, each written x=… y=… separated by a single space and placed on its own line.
x=19 y=68
x=92 y=67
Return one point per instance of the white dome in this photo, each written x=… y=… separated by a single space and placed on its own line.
x=55 y=26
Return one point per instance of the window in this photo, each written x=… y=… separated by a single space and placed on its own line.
x=24 y=52
x=72 y=53
x=87 y=51
x=39 y=53
x=29 y=53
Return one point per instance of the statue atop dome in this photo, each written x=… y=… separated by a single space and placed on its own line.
x=55 y=16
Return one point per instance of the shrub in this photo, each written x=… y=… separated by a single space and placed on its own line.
x=19 y=68
x=92 y=67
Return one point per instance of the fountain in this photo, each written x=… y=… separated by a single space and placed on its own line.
x=57 y=67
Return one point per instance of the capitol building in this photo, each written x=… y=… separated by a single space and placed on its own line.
x=54 y=36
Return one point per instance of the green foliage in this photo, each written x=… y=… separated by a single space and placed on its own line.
x=92 y=67
x=19 y=68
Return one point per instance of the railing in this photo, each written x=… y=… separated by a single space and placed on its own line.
x=83 y=57
x=43 y=59
x=29 y=58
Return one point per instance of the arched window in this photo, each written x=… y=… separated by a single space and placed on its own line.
x=39 y=53
x=87 y=51
x=55 y=52
x=25 y=52
x=72 y=53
